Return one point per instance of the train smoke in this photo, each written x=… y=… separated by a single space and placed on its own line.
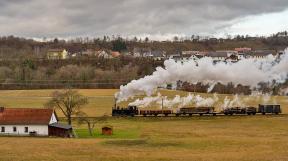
x=177 y=101
x=248 y=72
x=235 y=102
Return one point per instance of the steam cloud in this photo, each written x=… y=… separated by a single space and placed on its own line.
x=248 y=72
x=177 y=101
x=199 y=101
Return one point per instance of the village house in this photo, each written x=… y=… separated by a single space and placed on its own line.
x=32 y=122
x=54 y=54
x=228 y=55
x=217 y=56
x=260 y=54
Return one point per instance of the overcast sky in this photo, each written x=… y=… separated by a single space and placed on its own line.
x=158 y=18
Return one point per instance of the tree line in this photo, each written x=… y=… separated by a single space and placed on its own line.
x=14 y=47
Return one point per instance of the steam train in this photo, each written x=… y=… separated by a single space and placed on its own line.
x=189 y=111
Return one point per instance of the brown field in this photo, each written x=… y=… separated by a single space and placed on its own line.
x=207 y=138
x=220 y=138
x=100 y=100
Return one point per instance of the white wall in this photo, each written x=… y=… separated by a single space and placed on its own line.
x=40 y=129
x=53 y=119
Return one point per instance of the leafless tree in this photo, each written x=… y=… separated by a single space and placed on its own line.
x=68 y=101
x=91 y=122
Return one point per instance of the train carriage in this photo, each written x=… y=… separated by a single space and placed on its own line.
x=155 y=112
x=271 y=109
x=240 y=111
x=195 y=110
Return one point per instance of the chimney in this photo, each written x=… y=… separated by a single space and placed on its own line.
x=1 y=109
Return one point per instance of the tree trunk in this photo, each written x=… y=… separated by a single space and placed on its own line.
x=90 y=129
x=69 y=120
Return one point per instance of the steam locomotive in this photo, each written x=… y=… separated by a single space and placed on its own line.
x=134 y=111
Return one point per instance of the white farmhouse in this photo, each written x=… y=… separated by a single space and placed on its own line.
x=32 y=122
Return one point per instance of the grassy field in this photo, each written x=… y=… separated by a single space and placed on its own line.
x=101 y=101
x=148 y=139
x=220 y=138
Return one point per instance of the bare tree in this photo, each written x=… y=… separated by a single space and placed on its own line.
x=91 y=122
x=68 y=101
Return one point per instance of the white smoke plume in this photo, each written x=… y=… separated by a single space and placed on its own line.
x=266 y=98
x=248 y=72
x=147 y=101
x=235 y=102
x=205 y=102
x=176 y=102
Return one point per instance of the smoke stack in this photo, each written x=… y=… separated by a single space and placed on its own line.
x=115 y=102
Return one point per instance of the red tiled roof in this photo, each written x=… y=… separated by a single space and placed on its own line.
x=21 y=116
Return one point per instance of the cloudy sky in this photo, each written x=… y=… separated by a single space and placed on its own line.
x=159 y=19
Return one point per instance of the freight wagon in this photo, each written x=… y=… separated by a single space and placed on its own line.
x=155 y=112
x=240 y=111
x=271 y=109
x=195 y=110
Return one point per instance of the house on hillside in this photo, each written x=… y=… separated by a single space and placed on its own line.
x=260 y=54
x=54 y=54
x=195 y=55
x=32 y=122
x=217 y=56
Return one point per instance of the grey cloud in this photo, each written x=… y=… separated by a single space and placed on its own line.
x=66 y=18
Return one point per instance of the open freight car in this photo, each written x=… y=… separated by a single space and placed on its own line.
x=196 y=110
x=155 y=112
x=240 y=111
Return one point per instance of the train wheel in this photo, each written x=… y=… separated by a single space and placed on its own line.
x=166 y=115
x=190 y=114
x=249 y=113
x=254 y=113
x=263 y=113
x=214 y=114
x=201 y=114
x=276 y=113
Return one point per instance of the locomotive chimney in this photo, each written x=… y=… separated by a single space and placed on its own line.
x=115 y=102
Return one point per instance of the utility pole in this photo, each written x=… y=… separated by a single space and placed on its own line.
x=162 y=104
